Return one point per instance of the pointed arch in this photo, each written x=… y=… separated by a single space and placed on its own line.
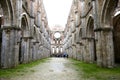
x=91 y=39
x=107 y=12
x=8 y=12
x=90 y=27
x=24 y=24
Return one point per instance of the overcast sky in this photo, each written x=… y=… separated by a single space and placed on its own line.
x=57 y=11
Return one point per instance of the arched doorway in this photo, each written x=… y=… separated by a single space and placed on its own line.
x=91 y=40
x=116 y=38
x=23 y=51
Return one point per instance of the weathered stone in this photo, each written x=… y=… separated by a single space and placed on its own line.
x=20 y=32
x=98 y=24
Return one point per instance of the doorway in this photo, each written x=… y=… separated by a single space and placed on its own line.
x=116 y=38
x=92 y=43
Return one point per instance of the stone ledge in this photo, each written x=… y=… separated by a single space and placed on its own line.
x=29 y=37
x=89 y=38
x=103 y=29
x=10 y=28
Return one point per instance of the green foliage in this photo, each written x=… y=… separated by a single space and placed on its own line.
x=93 y=72
x=20 y=69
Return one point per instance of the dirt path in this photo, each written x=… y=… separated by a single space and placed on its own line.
x=53 y=69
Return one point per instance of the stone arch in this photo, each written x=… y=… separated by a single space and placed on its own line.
x=91 y=39
x=107 y=12
x=90 y=27
x=8 y=13
x=24 y=25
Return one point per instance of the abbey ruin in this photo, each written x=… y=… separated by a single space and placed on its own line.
x=91 y=34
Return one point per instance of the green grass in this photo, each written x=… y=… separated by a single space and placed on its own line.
x=93 y=72
x=20 y=69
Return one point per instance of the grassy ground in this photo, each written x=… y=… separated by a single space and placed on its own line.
x=93 y=72
x=86 y=71
x=20 y=69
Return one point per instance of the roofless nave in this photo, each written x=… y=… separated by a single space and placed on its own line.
x=91 y=34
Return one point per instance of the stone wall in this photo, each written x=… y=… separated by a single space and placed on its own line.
x=96 y=40
x=24 y=32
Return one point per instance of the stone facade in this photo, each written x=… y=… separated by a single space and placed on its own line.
x=57 y=40
x=92 y=32
x=24 y=32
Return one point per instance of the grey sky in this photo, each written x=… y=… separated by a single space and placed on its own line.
x=57 y=11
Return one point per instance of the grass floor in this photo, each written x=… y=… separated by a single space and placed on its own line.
x=93 y=72
x=86 y=71
x=20 y=69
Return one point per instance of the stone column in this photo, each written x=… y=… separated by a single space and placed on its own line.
x=81 y=51
x=31 y=51
x=85 y=50
x=74 y=52
x=34 y=51
x=107 y=48
x=25 y=50
x=9 y=48
x=31 y=31
x=91 y=50
x=18 y=11
x=32 y=17
x=78 y=52
x=37 y=50
x=104 y=40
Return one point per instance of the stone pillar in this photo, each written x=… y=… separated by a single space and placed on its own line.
x=40 y=51
x=71 y=52
x=85 y=50
x=31 y=51
x=74 y=52
x=32 y=17
x=18 y=11
x=37 y=52
x=107 y=48
x=81 y=51
x=34 y=51
x=78 y=52
x=105 y=42
x=25 y=50
x=9 y=48
x=91 y=50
